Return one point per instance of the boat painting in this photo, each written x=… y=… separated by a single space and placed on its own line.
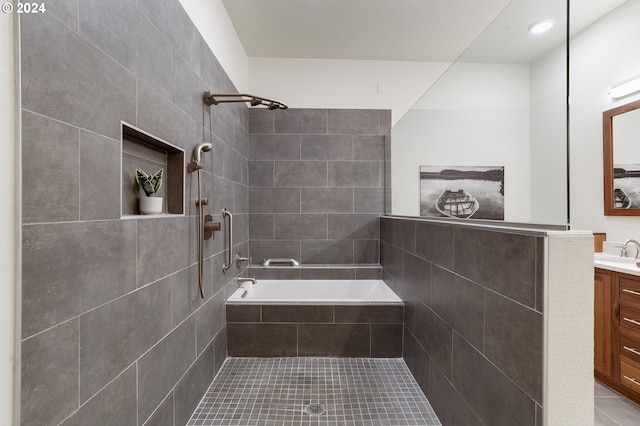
x=440 y=185
x=620 y=199
x=626 y=184
x=458 y=204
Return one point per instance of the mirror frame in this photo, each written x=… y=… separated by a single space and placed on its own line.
x=607 y=142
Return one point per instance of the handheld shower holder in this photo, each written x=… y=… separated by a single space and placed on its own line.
x=193 y=166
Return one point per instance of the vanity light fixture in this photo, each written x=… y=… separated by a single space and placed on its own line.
x=631 y=86
x=541 y=26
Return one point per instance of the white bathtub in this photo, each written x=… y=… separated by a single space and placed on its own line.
x=315 y=292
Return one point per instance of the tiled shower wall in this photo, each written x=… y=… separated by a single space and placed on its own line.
x=473 y=317
x=113 y=327
x=316 y=184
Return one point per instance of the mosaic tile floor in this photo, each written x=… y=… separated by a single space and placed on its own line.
x=277 y=391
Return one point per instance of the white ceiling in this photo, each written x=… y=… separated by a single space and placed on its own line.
x=400 y=30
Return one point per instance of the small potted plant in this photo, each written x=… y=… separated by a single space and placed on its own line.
x=150 y=184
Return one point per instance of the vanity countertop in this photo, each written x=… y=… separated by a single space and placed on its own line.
x=612 y=262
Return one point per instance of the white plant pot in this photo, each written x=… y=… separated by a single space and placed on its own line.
x=150 y=205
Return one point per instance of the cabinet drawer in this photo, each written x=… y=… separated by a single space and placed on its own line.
x=630 y=348
x=629 y=293
x=629 y=374
x=630 y=321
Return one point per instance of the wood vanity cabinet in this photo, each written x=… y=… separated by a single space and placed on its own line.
x=617 y=331
x=603 y=324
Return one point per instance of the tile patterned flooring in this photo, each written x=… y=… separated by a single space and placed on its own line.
x=353 y=391
x=276 y=391
x=613 y=409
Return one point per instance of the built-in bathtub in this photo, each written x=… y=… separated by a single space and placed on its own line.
x=347 y=318
x=319 y=292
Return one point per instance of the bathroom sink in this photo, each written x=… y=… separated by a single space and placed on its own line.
x=613 y=258
x=613 y=262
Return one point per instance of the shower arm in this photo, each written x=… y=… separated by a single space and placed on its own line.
x=219 y=98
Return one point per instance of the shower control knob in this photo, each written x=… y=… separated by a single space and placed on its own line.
x=210 y=226
x=202 y=201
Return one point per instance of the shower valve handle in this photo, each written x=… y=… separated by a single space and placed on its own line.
x=202 y=201
x=210 y=226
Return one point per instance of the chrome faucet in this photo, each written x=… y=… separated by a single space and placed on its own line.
x=242 y=280
x=623 y=248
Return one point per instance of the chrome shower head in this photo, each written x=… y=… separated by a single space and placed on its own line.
x=218 y=98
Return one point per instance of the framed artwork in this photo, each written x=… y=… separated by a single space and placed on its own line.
x=462 y=191
x=626 y=186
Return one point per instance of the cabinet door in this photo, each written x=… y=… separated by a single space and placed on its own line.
x=603 y=327
x=629 y=347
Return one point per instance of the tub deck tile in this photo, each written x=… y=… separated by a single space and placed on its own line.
x=261 y=340
x=243 y=313
x=343 y=340
x=392 y=314
x=386 y=340
x=315 y=330
x=297 y=313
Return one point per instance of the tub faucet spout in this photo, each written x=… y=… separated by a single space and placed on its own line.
x=242 y=280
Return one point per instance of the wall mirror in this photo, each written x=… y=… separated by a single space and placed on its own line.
x=493 y=126
x=621 y=168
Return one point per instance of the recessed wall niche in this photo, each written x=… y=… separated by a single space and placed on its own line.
x=149 y=153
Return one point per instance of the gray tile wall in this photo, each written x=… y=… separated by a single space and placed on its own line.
x=315 y=272
x=113 y=325
x=473 y=317
x=316 y=184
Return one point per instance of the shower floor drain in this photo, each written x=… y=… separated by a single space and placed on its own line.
x=314 y=409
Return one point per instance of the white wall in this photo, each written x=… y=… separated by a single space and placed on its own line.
x=211 y=19
x=312 y=83
x=601 y=56
x=475 y=115
x=333 y=83
x=8 y=221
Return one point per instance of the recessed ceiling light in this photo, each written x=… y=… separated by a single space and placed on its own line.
x=541 y=26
